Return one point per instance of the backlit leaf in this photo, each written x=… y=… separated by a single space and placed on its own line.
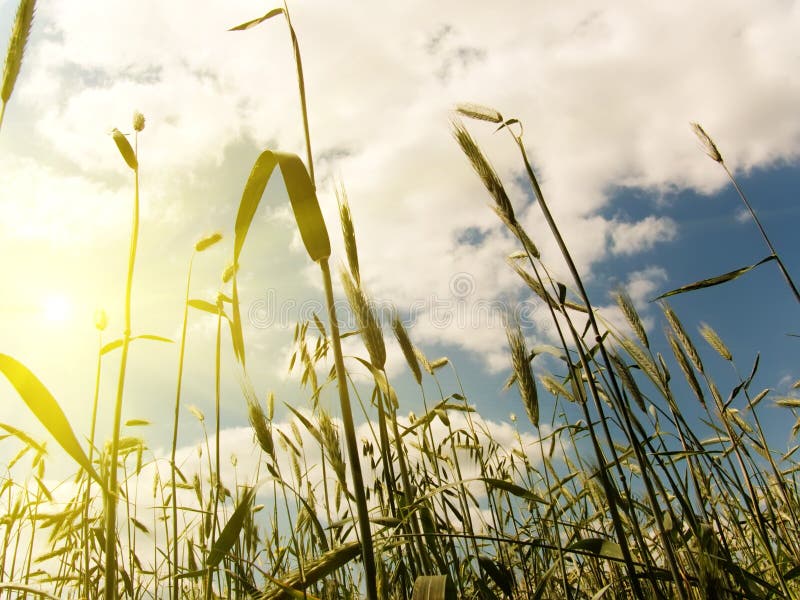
x=45 y=408
x=230 y=533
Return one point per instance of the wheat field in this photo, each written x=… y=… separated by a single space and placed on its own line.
x=609 y=491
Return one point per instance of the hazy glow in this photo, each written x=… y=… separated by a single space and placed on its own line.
x=57 y=308
x=606 y=99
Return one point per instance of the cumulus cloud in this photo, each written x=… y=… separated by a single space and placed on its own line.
x=59 y=208
x=605 y=96
x=630 y=238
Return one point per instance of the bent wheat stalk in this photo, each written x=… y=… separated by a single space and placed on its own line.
x=301 y=186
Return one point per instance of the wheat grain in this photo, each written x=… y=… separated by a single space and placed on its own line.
x=709 y=146
x=367 y=322
x=479 y=112
x=686 y=368
x=486 y=173
x=628 y=381
x=349 y=234
x=138 y=121
x=207 y=242
x=407 y=347
x=522 y=370
x=632 y=316
x=715 y=341
x=20 y=33
x=684 y=339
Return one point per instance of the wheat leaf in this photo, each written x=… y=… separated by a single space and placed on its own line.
x=434 y=587
x=250 y=24
x=499 y=574
x=147 y=336
x=599 y=547
x=302 y=196
x=46 y=410
x=305 y=205
x=18 y=587
x=155 y=338
x=230 y=533
x=236 y=325
x=204 y=305
x=514 y=489
x=712 y=281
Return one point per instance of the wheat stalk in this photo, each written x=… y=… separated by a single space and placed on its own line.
x=129 y=154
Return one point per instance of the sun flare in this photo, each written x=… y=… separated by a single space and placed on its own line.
x=57 y=308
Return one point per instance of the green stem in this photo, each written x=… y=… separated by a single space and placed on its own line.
x=617 y=395
x=781 y=266
x=111 y=496
x=215 y=478
x=367 y=551
x=344 y=398
x=302 y=88
x=174 y=584
x=87 y=497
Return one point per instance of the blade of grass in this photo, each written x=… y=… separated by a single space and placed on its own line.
x=230 y=533
x=47 y=410
x=712 y=281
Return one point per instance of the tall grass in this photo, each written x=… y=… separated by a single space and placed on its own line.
x=130 y=155
x=202 y=245
x=610 y=492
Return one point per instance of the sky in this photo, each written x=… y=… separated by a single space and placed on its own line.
x=605 y=95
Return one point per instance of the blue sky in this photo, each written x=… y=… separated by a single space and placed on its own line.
x=606 y=98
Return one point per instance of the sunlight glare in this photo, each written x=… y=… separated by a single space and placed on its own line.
x=57 y=308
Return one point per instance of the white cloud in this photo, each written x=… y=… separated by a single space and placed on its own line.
x=743 y=215
x=641 y=287
x=44 y=205
x=605 y=97
x=239 y=442
x=630 y=238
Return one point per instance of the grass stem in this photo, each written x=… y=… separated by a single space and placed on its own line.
x=113 y=495
x=367 y=551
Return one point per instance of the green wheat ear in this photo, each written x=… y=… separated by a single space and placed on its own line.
x=522 y=370
x=16 y=49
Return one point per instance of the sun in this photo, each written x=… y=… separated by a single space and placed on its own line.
x=57 y=308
